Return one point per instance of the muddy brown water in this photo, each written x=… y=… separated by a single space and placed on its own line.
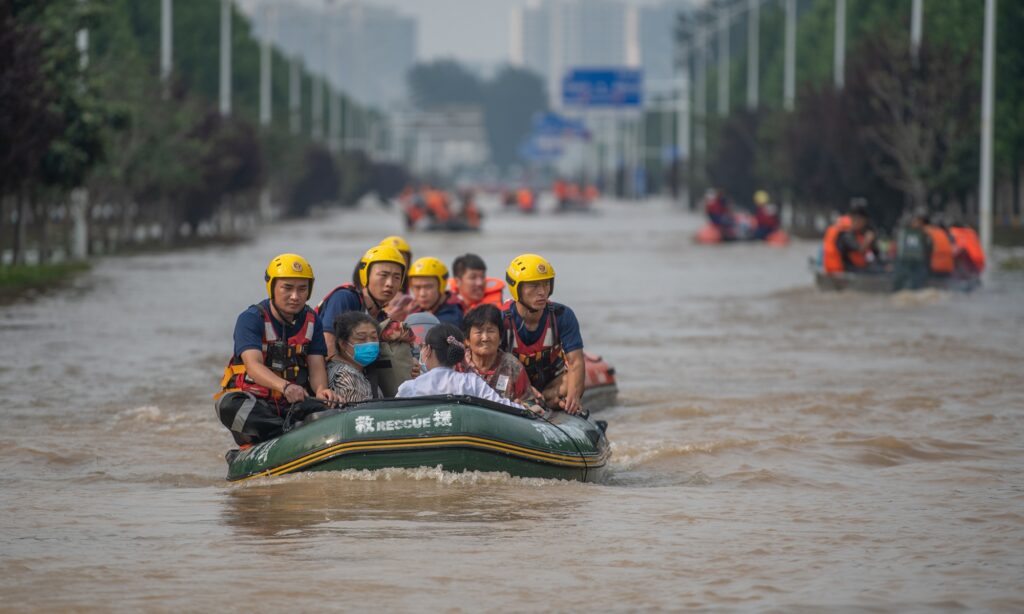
x=774 y=448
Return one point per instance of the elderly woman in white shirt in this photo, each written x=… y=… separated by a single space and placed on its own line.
x=443 y=348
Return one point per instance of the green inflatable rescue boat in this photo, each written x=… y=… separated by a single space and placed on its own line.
x=457 y=433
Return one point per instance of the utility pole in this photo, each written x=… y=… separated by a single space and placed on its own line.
x=295 y=97
x=317 y=83
x=265 y=64
x=723 y=60
x=916 y=28
x=225 y=57
x=753 y=52
x=79 y=198
x=701 y=102
x=166 y=42
x=789 y=78
x=683 y=128
x=331 y=77
x=840 y=51
x=988 y=82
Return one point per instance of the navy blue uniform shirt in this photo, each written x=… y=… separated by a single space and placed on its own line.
x=249 y=331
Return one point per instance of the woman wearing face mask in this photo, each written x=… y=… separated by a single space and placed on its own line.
x=358 y=342
x=444 y=348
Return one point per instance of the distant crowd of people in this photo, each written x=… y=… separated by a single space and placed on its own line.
x=429 y=208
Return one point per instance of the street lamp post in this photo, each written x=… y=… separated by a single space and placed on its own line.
x=225 y=57
x=987 y=111
x=789 y=78
x=753 y=51
x=723 y=60
x=839 y=68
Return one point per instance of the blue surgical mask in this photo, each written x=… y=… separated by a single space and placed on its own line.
x=365 y=353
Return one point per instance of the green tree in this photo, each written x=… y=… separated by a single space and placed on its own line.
x=511 y=100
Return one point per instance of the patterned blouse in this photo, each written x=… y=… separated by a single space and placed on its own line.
x=507 y=377
x=349 y=383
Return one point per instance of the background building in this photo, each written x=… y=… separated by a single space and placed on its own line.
x=551 y=36
x=365 y=49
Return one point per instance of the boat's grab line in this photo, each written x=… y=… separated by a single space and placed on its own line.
x=424 y=442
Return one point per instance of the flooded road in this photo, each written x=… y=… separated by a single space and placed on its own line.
x=773 y=447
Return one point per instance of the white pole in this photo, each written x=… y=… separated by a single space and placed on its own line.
x=295 y=97
x=916 y=27
x=225 y=57
x=666 y=156
x=683 y=135
x=701 y=102
x=166 y=40
x=556 y=54
x=789 y=83
x=840 y=51
x=753 y=51
x=331 y=77
x=316 y=110
x=723 y=61
x=318 y=84
x=79 y=205
x=988 y=82
x=265 y=67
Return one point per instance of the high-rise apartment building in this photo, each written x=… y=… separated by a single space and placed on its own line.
x=552 y=36
x=365 y=50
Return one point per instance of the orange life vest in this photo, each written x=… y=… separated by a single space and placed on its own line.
x=967 y=240
x=832 y=259
x=287 y=359
x=543 y=359
x=525 y=199
x=942 y=251
x=493 y=293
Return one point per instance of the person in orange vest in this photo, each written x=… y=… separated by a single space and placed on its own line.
x=524 y=197
x=561 y=190
x=941 y=262
x=470 y=212
x=969 y=257
x=848 y=245
x=590 y=193
x=437 y=206
x=471 y=284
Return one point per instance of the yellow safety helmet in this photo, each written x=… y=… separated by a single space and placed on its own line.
x=288 y=265
x=527 y=268
x=761 y=197
x=379 y=253
x=398 y=243
x=430 y=267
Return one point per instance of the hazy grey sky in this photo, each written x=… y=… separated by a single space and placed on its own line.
x=469 y=30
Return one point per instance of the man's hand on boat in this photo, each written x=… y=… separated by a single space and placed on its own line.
x=570 y=404
x=294 y=393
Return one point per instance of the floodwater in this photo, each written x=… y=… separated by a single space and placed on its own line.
x=774 y=448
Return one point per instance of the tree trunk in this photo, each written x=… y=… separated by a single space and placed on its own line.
x=1015 y=204
x=17 y=256
x=44 y=231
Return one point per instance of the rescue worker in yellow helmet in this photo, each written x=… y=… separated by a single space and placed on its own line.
x=402 y=246
x=766 y=215
x=278 y=358
x=543 y=335
x=376 y=289
x=428 y=283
